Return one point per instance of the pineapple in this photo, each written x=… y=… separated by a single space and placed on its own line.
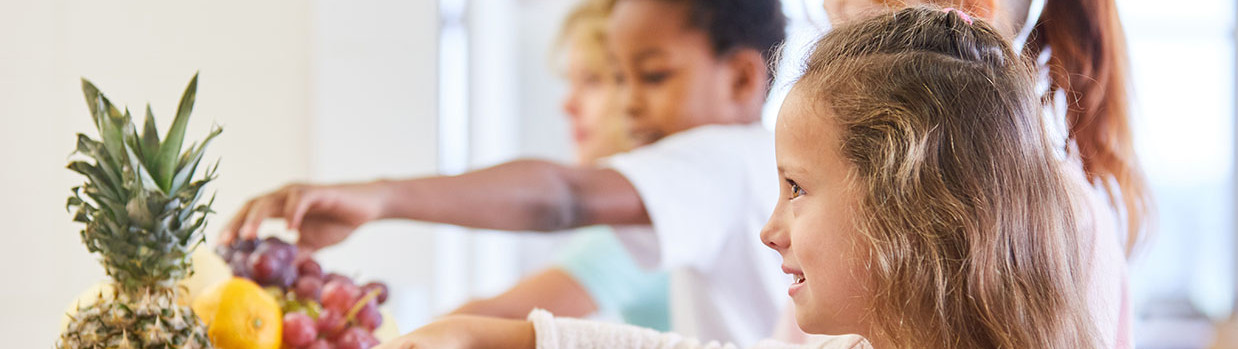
x=144 y=214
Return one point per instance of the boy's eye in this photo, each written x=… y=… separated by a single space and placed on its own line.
x=655 y=77
x=796 y=191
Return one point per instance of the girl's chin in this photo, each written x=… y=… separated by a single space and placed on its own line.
x=803 y=319
x=825 y=321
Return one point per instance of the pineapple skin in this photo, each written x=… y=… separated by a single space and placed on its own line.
x=144 y=216
x=150 y=319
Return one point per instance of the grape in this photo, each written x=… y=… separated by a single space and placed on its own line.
x=356 y=338
x=225 y=252
x=308 y=287
x=239 y=264
x=244 y=245
x=330 y=322
x=278 y=248
x=299 y=329
x=319 y=344
x=309 y=267
x=381 y=287
x=288 y=278
x=274 y=241
x=270 y=263
x=266 y=268
x=369 y=316
x=336 y=276
x=340 y=295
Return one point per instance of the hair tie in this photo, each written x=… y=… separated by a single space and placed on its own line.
x=962 y=14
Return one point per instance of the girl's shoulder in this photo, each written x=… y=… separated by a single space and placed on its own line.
x=849 y=341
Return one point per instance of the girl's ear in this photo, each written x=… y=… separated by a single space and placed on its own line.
x=750 y=77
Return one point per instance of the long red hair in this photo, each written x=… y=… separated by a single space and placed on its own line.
x=1087 y=63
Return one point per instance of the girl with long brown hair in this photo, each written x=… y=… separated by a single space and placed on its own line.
x=922 y=204
x=1080 y=53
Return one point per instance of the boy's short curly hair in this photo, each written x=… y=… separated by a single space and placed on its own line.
x=736 y=24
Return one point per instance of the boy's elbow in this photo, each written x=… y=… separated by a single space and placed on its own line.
x=559 y=206
x=558 y=212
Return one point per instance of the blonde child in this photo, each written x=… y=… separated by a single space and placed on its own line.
x=593 y=273
x=922 y=205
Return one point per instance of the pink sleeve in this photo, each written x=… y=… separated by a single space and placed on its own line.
x=1108 y=297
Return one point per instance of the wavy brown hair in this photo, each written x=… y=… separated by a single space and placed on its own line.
x=970 y=217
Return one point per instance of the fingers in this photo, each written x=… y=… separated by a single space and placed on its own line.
x=228 y=234
x=296 y=204
x=318 y=233
x=265 y=207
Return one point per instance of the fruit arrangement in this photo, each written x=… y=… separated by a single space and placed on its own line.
x=144 y=206
x=320 y=310
x=144 y=210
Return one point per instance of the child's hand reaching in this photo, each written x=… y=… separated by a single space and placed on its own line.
x=323 y=215
x=464 y=332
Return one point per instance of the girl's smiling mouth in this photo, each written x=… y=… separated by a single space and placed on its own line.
x=797 y=280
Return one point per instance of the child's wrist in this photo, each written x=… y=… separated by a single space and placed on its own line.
x=382 y=192
x=489 y=332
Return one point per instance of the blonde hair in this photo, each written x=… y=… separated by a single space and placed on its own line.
x=583 y=33
x=970 y=218
x=584 y=30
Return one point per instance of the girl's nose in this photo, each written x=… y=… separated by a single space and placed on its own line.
x=774 y=235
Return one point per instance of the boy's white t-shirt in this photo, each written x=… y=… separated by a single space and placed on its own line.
x=708 y=192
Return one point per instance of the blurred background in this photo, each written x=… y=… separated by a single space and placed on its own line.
x=330 y=91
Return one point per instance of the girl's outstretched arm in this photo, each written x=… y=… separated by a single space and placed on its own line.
x=544 y=331
x=553 y=289
x=468 y=332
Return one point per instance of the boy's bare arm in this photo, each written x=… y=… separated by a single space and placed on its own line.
x=520 y=195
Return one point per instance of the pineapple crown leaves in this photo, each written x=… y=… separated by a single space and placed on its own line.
x=142 y=207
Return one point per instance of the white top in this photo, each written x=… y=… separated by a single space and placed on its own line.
x=1108 y=298
x=708 y=192
x=567 y=333
x=1108 y=294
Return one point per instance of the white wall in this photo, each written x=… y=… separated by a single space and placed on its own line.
x=376 y=108
x=254 y=59
x=543 y=125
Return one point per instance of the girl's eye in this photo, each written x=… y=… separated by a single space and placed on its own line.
x=796 y=191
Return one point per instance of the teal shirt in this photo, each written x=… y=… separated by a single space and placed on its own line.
x=600 y=263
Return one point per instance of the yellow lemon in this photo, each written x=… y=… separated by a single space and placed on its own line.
x=239 y=314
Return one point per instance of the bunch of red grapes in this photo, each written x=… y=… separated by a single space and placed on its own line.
x=321 y=311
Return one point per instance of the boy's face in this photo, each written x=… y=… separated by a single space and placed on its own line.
x=669 y=79
x=812 y=225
